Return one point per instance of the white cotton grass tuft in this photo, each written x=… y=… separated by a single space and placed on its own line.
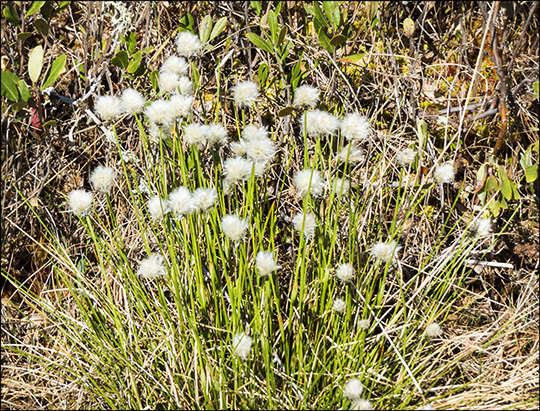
x=180 y=105
x=205 y=198
x=364 y=324
x=216 y=134
x=185 y=85
x=319 y=123
x=341 y=187
x=351 y=154
x=132 y=101
x=305 y=223
x=266 y=263
x=433 y=330
x=234 y=227
x=245 y=93
x=155 y=133
x=102 y=179
x=355 y=127
x=385 y=252
x=260 y=150
x=187 y=44
x=161 y=113
x=195 y=134
x=252 y=132
x=339 y=306
x=80 y=202
x=109 y=107
x=444 y=173
x=306 y=96
x=308 y=181
x=480 y=228
x=168 y=82
x=406 y=157
x=237 y=169
x=239 y=147
x=181 y=202
x=176 y=65
x=345 y=272
x=361 y=404
x=241 y=345
x=152 y=267
x=158 y=207
x=353 y=389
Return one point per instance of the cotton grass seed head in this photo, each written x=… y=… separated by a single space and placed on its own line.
x=433 y=330
x=168 y=82
x=385 y=252
x=355 y=127
x=185 y=85
x=252 y=132
x=237 y=169
x=205 y=198
x=351 y=154
x=158 y=207
x=444 y=173
x=309 y=181
x=305 y=223
x=241 y=345
x=102 y=179
x=152 y=267
x=176 y=65
x=361 y=404
x=353 y=389
x=480 y=228
x=161 y=113
x=217 y=134
x=80 y=202
x=245 y=93
x=265 y=263
x=363 y=324
x=260 y=149
x=306 y=96
x=187 y=44
x=133 y=101
x=341 y=187
x=406 y=157
x=195 y=134
x=345 y=272
x=109 y=107
x=180 y=105
x=234 y=227
x=339 y=306
x=181 y=202
x=319 y=123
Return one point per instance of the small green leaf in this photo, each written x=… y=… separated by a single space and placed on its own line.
x=492 y=184
x=319 y=16
x=34 y=7
x=408 y=26
x=154 y=79
x=422 y=128
x=205 y=28
x=54 y=72
x=273 y=24
x=24 y=35
x=63 y=5
x=536 y=90
x=11 y=15
x=336 y=17
x=132 y=43
x=218 y=28
x=195 y=76
x=9 y=86
x=121 y=59
x=338 y=39
x=259 y=42
x=24 y=90
x=286 y=111
x=325 y=40
x=282 y=34
x=135 y=62
x=256 y=6
x=506 y=186
x=42 y=26
x=35 y=63
x=263 y=73
x=531 y=173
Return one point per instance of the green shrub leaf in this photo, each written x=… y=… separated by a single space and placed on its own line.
x=11 y=15
x=9 y=86
x=34 y=7
x=54 y=72
x=259 y=42
x=218 y=28
x=35 y=63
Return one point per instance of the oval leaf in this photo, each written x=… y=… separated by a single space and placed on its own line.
x=35 y=63
x=24 y=35
x=259 y=42
x=11 y=15
x=205 y=27
x=36 y=5
x=273 y=24
x=531 y=173
x=338 y=40
x=42 y=27
x=121 y=59
x=218 y=28
x=286 y=111
x=54 y=72
x=408 y=26
x=9 y=86
x=135 y=62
